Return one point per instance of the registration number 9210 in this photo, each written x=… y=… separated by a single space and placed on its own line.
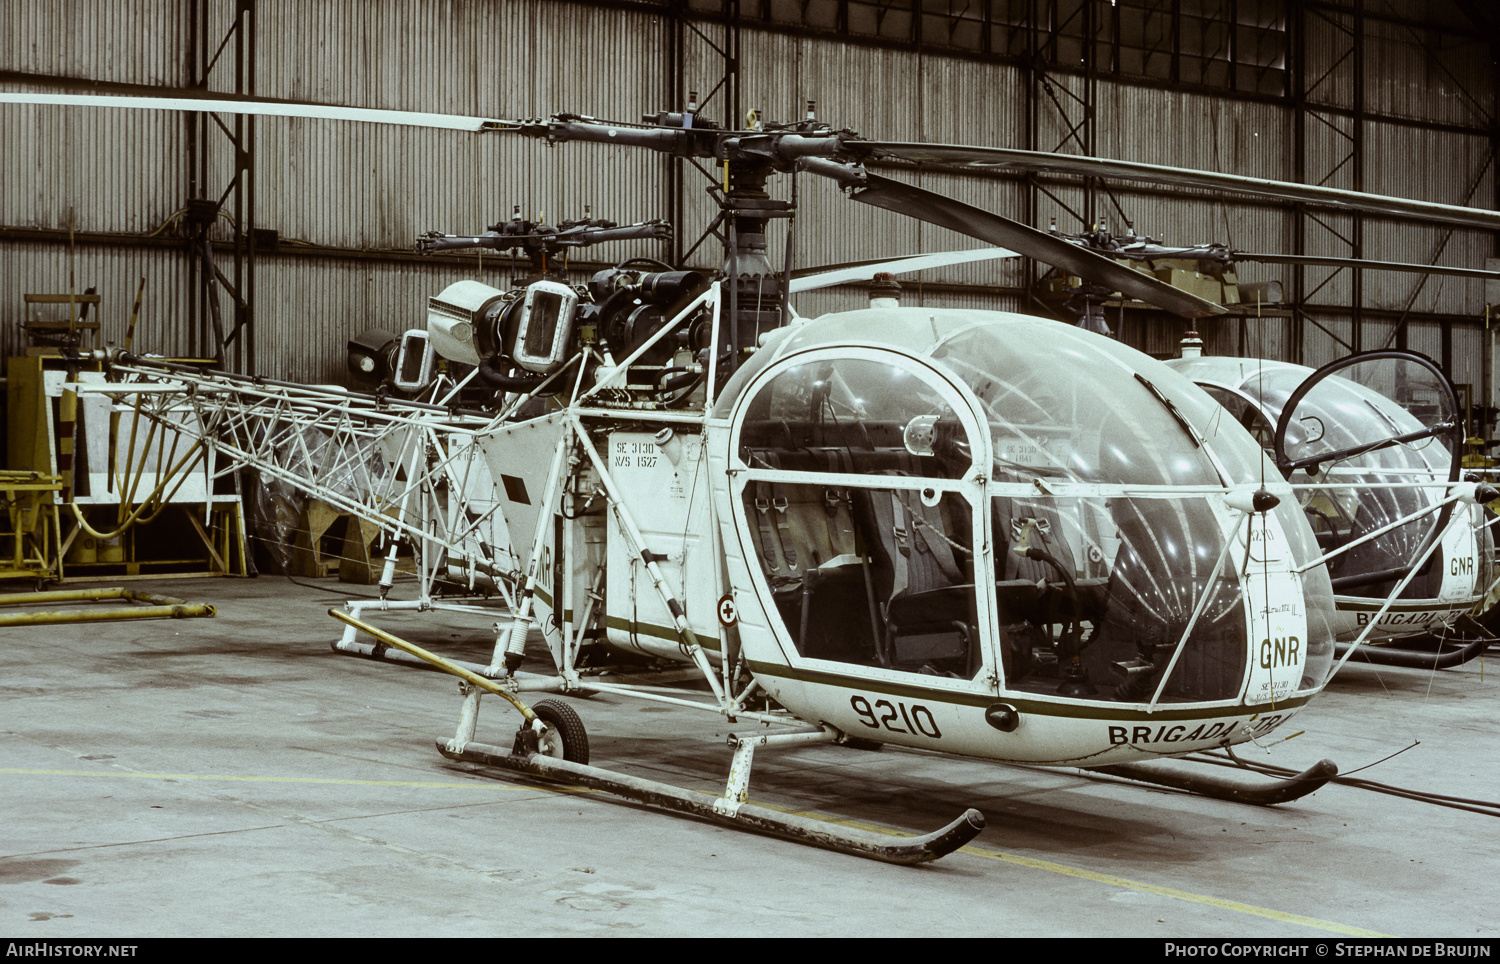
x=897 y=717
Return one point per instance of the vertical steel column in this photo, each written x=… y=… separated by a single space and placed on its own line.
x=1090 y=96
x=197 y=165
x=1343 y=118
x=736 y=119
x=1489 y=334
x=1176 y=71
x=1033 y=79
x=205 y=328
x=676 y=100
x=248 y=292
x=727 y=85
x=240 y=252
x=1297 y=81
x=243 y=185
x=1357 y=147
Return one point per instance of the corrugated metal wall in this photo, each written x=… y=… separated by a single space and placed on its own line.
x=114 y=41
x=105 y=166
x=1326 y=338
x=1405 y=77
x=115 y=273
x=359 y=185
x=374 y=188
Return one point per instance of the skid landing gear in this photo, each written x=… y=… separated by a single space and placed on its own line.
x=552 y=744
x=1416 y=658
x=741 y=816
x=1265 y=794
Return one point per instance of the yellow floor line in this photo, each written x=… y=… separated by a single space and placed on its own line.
x=475 y=785
x=1111 y=879
x=1232 y=905
x=1031 y=862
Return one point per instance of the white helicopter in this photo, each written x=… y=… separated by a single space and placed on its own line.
x=1370 y=443
x=1376 y=531
x=975 y=532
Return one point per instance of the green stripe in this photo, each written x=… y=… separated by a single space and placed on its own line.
x=668 y=633
x=546 y=599
x=1431 y=605
x=642 y=629
x=1089 y=711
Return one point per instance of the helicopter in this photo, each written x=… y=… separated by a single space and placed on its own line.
x=1378 y=529
x=1295 y=412
x=975 y=532
x=1331 y=402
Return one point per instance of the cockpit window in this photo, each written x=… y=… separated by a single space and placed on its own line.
x=883 y=541
x=875 y=571
x=1096 y=595
x=1076 y=417
x=853 y=415
x=1379 y=421
x=1244 y=411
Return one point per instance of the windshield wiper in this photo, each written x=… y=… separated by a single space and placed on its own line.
x=1166 y=402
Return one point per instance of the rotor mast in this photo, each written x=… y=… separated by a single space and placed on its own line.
x=746 y=160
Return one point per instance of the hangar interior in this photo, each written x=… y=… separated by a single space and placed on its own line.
x=1384 y=97
x=292 y=782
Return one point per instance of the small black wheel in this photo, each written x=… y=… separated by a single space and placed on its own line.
x=564 y=736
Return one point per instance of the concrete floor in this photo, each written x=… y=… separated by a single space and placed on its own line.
x=234 y=777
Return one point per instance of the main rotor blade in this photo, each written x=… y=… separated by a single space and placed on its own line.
x=999 y=158
x=267 y=108
x=1310 y=259
x=864 y=271
x=924 y=205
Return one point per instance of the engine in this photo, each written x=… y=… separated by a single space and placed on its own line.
x=531 y=339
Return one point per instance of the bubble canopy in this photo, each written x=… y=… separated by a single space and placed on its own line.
x=961 y=494
x=1338 y=413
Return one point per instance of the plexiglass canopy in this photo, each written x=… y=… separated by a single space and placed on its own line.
x=935 y=492
x=1354 y=492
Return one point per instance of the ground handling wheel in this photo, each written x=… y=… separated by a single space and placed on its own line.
x=563 y=736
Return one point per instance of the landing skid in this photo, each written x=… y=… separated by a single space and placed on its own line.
x=1265 y=794
x=746 y=816
x=1416 y=658
x=567 y=739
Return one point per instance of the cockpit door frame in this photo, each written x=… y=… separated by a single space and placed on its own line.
x=1288 y=465
x=970 y=487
